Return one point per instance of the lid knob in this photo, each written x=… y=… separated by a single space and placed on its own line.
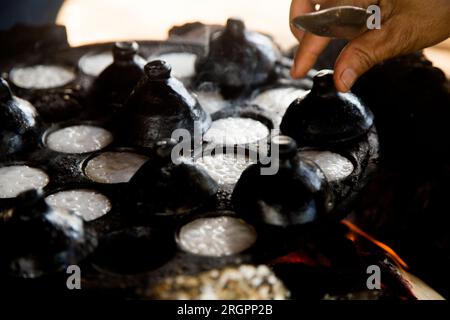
x=125 y=50
x=158 y=70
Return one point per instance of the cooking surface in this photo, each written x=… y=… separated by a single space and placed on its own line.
x=325 y=252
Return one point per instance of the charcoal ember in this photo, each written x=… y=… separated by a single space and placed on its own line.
x=238 y=59
x=326 y=117
x=164 y=186
x=54 y=238
x=20 y=124
x=297 y=194
x=159 y=105
x=114 y=85
x=411 y=102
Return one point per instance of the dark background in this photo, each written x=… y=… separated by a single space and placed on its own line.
x=33 y=12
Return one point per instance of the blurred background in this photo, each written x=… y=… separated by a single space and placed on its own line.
x=89 y=21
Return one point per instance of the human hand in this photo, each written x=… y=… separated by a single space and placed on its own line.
x=407 y=26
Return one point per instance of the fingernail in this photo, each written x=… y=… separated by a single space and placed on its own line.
x=348 y=78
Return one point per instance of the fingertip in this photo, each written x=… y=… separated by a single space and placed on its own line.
x=345 y=80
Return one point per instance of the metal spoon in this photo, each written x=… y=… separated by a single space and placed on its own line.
x=343 y=22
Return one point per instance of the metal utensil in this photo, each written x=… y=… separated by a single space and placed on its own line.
x=343 y=22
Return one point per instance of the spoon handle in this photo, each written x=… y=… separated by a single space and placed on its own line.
x=344 y=22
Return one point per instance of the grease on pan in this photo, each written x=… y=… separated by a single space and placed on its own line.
x=17 y=179
x=114 y=167
x=88 y=204
x=42 y=76
x=79 y=139
x=216 y=236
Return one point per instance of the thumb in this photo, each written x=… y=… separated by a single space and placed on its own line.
x=360 y=55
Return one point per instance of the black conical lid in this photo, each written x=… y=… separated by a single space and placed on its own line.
x=5 y=91
x=20 y=124
x=115 y=84
x=326 y=116
x=237 y=57
x=296 y=194
x=36 y=239
x=159 y=105
x=162 y=186
x=16 y=114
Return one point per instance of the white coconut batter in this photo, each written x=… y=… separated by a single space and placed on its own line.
x=41 y=76
x=182 y=63
x=17 y=179
x=88 y=204
x=334 y=166
x=114 y=167
x=79 y=139
x=234 y=131
x=211 y=101
x=94 y=64
x=277 y=101
x=216 y=237
x=224 y=168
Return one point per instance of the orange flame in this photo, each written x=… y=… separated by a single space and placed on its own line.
x=358 y=232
